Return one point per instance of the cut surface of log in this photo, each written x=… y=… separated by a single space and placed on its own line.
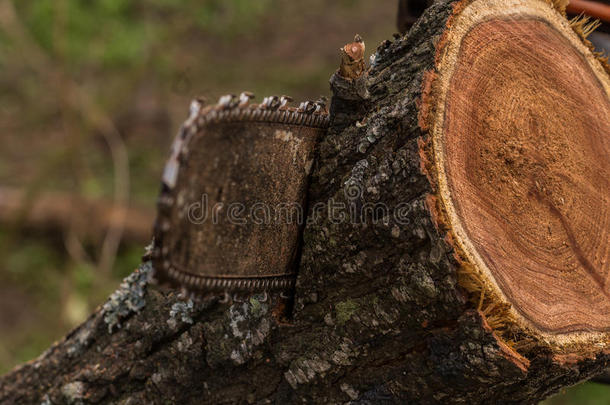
x=521 y=145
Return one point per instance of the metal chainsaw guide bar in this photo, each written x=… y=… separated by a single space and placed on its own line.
x=235 y=123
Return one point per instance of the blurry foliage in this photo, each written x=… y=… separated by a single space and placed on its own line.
x=582 y=394
x=33 y=266
x=141 y=61
x=111 y=34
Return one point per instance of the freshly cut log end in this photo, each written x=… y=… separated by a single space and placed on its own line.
x=518 y=109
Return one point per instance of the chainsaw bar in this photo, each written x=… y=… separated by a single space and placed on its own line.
x=232 y=203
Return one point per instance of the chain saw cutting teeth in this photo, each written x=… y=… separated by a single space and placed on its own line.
x=232 y=203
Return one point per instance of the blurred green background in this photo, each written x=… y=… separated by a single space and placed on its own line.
x=91 y=94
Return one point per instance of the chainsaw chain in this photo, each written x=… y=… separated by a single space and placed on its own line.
x=230 y=108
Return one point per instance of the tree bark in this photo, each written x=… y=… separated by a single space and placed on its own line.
x=385 y=307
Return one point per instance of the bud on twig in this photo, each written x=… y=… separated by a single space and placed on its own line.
x=352 y=59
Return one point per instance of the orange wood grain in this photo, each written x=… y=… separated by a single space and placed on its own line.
x=527 y=146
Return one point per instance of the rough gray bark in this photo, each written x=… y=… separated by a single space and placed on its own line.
x=378 y=316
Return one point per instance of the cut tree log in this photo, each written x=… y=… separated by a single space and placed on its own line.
x=462 y=257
